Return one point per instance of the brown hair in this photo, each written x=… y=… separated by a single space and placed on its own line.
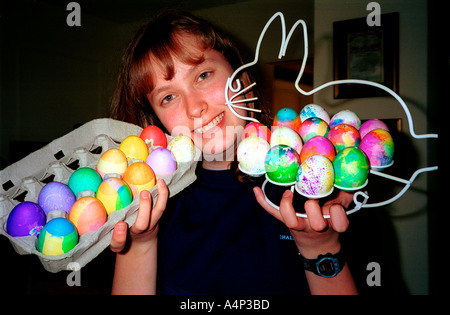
x=157 y=40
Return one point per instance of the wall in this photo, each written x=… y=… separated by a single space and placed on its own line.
x=408 y=215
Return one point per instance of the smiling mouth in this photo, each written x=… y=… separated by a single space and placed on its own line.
x=211 y=125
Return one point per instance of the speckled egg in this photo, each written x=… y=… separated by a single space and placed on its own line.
x=312 y=127
x=287 y=117
x=83 y=179
x=282 y=163
x=58 y=236
x=162 y=162
x=25 y=219
x=287 y=136
x=370 y=125
x=153 y=136
x=112 y=161
x=134 y=148
x=56 y=196
x=313 y=110
x=317 y=145
x=88 y=214
x=351 y=169
x=345 y=117
x=251 y=155
x=344 y=136
x=256 y=129
x=182 y=148
x=378 y=145
x=115 y=194
x=139 y=176
x=315 y=177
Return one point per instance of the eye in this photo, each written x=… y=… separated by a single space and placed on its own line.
x=204 y=76
x=168 y=99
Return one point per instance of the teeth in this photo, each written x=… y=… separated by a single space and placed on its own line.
x=211 y=125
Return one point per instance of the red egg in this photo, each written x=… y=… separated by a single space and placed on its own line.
x=257 y=129
x=154 y=136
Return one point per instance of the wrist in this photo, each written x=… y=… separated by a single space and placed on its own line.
x=312 y=251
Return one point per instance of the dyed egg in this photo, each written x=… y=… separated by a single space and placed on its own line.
x=351 y=169
x=257 y=129
x=84 y=178
x=115 y=194
x=344 y=136
x=287 y=136
x=345 y=117
x=287 y=117
x=281 y=165
x=370 y=125
x=25 y=219
x=251 y=155
x=88 y=214
x=113 y=161
x=312 y=127
x=313 y=110
x=162 y=162
x=378 y=145
x=317 y=145
x=153 y=136
x=134 y=148
x=139 y=176
x=182 y=149
x=315 y=177
x=58 y=236
x=56 y=196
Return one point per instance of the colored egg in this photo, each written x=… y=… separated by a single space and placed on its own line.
x=312 y=127
x=88 y=214
x=83 y=179
x=251 y=155
x=281 y=165
x=313 y=110
x=25 y=219
x=344 y=136
x=56 y=196
x=315 y=177
x=134 y=148
x=345 y=117
x=112 y=161
x=257 y=129
x=58 y=236
x=162 y=162
x=287 y=117
x=378 y=145
x=153 y=136
x=115 y=194
x=287 y=136
x=351 y=169
x=370 y=125
x=139 y=176
x=182 y=149
x=317 y=145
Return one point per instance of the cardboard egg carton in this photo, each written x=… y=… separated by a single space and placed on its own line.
x=23 y=180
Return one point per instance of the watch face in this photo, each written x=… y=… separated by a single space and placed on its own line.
x=327 y=267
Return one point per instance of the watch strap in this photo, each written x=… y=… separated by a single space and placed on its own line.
x=328 y=265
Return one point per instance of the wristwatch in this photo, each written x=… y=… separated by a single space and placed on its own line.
x=326 y=266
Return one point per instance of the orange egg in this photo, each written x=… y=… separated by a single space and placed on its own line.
x=139 y=176
x=87 y=214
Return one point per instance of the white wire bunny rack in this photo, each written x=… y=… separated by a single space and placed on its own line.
x=238 y=90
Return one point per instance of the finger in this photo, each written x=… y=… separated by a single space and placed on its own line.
x=287 y=212
x=315 y=216
x=119 y=237
x=143 y=215
x=338 y=218
x=161 y=202
x=263 y=202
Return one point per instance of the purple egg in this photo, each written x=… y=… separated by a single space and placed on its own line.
x=27 y=218
x=56 y=196
x=162 y=162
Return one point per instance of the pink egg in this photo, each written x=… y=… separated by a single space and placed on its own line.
x=343 y=136
x=154 y=136
x=312 y=127
x=162 y=162
x=370 y=125
x=378 y=145
x=317 y=145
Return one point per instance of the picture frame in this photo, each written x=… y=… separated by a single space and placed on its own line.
x=367 y=53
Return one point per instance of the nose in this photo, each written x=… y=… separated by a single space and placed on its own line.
x=196 y=104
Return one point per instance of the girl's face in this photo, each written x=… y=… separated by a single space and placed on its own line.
x=192 y=103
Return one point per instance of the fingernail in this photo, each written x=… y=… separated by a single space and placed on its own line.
x=145 y=194
x=287 y=193
x=161 y=183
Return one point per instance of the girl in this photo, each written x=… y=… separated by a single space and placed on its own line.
x=214 y=237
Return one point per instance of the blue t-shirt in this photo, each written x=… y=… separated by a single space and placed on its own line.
x=215 y=238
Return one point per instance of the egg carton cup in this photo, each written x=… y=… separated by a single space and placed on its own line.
x=23 y=180
x=234 y=90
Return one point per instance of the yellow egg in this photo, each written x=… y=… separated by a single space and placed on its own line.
x=134 y=148
x=112 y=161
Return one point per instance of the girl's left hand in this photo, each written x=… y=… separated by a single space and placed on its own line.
x=313 y=235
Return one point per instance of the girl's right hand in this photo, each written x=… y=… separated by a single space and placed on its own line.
x=145 y=228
